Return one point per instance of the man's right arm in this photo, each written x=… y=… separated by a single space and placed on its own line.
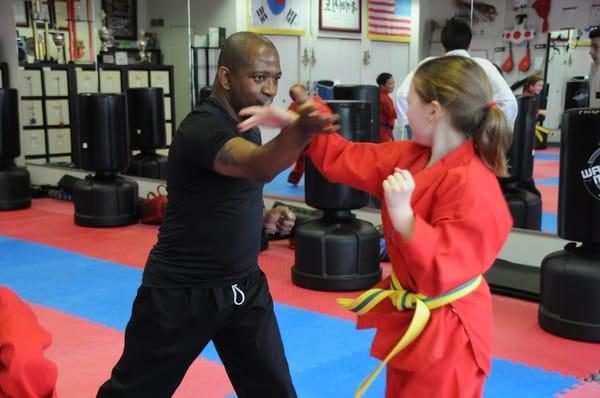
x=241 y=158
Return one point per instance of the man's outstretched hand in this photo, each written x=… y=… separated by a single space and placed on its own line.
x=308 y=119
x=266 y=116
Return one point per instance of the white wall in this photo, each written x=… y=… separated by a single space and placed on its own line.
x=339 y=55
x=174 y=44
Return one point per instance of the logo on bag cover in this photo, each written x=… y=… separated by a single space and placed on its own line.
x=591 y=175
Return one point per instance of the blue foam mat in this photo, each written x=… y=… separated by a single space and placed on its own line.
x=327 y=356
x=548 y=181
x=550 y=223
x=546 y=156
x=280 y=187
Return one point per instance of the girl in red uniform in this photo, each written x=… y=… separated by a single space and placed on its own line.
x=445 y=220
x=387 y=112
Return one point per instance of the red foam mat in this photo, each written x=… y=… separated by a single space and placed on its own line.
x=549 y=198
x=584 y=390
x=543 y=169
x=89 y=351
x=51 y=222
x=517 y=335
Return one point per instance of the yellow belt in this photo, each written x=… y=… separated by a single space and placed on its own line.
x=403 y=300
x=539 y=130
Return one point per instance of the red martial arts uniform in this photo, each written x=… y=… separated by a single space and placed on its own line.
x=298 y=171
x=387 y=117
x=24 y=371
x=461 y=223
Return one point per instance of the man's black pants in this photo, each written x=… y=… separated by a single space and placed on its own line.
x=169 y=327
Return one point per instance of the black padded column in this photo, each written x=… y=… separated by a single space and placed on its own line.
x=570 y=278
x=105 y=199
x=147 y=131
x=523 y=198
x=14 y=181
x=337 y=251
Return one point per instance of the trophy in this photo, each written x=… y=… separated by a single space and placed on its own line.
x=35 y=15
x=104 y=33
x=59 y=42
x=141 y=46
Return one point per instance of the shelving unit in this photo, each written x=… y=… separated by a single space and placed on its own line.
x=46 y=106
x=105 y=57
x=48 y=95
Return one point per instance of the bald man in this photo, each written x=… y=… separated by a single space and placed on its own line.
x=202 y=281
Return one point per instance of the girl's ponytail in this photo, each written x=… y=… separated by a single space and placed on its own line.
x=493 y=140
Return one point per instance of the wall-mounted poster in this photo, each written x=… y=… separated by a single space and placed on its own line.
x=389 y=20
x=340 y=15
x=278 y=17
x=121 y=18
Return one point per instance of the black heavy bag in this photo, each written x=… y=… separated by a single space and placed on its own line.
x=337 y=251
x=520 y=153
x=579 y=182
x=105 y=199
x=9 y=125
x=570 y=278
x=367 y=93
x=14 y=181
x=102 y=139
x=146 y=113
x=319 y=192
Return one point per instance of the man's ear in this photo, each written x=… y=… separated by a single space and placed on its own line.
x=224 y=74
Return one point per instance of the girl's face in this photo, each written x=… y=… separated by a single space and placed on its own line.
x=420 y=119
x=389 y=85
x=537 y=87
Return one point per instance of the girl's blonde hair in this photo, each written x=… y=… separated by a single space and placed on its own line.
x=464 y=91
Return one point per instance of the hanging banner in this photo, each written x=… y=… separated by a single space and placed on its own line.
x=389 y=20
x=277 y=17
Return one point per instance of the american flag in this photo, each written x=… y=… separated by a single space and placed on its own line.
x=389 y=20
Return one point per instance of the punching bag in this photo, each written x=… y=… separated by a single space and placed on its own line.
x=523 y=199
x=104 y=199
x=145 y=108
x=520 y=153
x=14 y=180
x=102 y=140
x=579 y=183
x=507 y=66
x=570 y=277
x=525 y=62
x=367 y=93
x=337 y=251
